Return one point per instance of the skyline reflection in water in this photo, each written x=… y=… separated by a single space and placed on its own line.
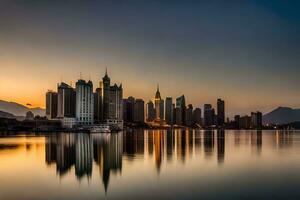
x=192 y=157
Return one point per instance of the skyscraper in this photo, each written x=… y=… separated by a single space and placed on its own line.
x=84 y=102
x=256 y=120
x=51 y=105
x=128 y=109
x=112 y=103
x=162 y=109
x=197 y=116
x=189 y=115
x=180 y=103
x=150 y=111
x=220 y=112
x=208 y=115
x=237 y=121
x=115 y=102
x=139 y=115
x=159 y=106
x=106 y=91
x=169 y=110
x=178 y=116
x=98 y=108
x=66 y=104
x=245 y=122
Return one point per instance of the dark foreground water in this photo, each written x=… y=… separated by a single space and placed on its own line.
x=158 y=164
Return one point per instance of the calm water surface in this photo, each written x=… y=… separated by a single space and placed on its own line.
x=151 y=164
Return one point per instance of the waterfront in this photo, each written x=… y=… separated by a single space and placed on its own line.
x=151 y=164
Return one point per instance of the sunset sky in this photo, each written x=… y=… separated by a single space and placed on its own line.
x=245 y=52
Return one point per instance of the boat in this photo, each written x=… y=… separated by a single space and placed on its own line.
x=102 y=128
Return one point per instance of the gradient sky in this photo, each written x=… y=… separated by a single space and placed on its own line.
x=246 y=52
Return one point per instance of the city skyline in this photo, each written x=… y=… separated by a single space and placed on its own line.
x=243 y=52
x=229 y=111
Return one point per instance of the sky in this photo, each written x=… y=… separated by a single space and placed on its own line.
x=245 y=52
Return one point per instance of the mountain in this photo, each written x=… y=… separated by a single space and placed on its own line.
x=6 y=115
x=282 y=115
x=18 y=109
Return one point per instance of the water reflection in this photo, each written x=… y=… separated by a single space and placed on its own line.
x=108 y=151
x=70 y=149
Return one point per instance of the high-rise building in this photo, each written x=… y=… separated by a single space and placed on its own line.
x=214 y=117
x=139 y=115
x=51 y=105
x=162 y=109
x=189 y=115
x=115 y=102
x=197 y=116
x=237 y=121
x=220 y=112
x=66 y=103
x=256 y=120
x=178 y=116
x=180 y=103
x=106 y=95
x=112 y=100
x=128 y=109
x=245 y=122
x=159 y=106
x=208 y=115
x=169 y=110
x=150 y=112
x=98 y=108
x=84 y=102
x=174 y=113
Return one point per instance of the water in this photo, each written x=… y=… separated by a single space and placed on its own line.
x=151 y=164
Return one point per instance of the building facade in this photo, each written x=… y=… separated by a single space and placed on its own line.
x=66 y=101
x=256 y=120
x=180 y=104
x=208 y=115
x=128 y=109
x=197 y=120
x=159 y=106
x=98 y=108
x=150 y=112
x=189 y=115
x=169 y=110
x=84 y=102
x=220 y=112
x=51 y=105
x=139 y=114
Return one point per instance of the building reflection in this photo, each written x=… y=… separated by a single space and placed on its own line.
x=108 y=155
x=133 y=143
x=208 y=143
x=283 y=139
x=256 y=141
x=68 y=149
x=109 y=152
x=221 y=145
x=60 y=149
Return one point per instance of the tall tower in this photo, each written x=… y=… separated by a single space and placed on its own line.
x=106 y=92
x=157 y=102
x=220 y=112
x=169 y=110
x=180 y=104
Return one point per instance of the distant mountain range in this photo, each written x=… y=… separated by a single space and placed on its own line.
x=282 y=115
x=18 y=109
x=6 y=115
